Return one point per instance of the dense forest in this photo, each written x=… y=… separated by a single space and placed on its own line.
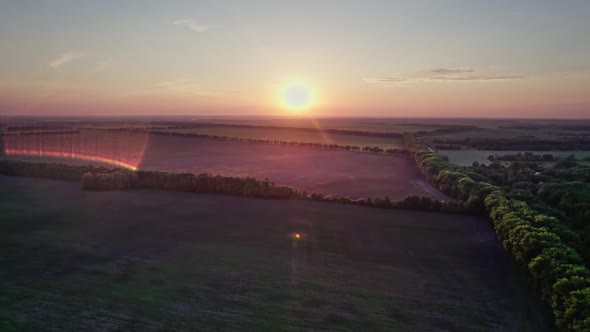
x=533 y=231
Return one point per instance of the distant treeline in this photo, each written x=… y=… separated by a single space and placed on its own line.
x=341 y=147
x=527 y=156
x=446 y=130
x=52 y=132
x=103 y=179
x=563 y=162
x=517 y=144
x=300 y=129
x=373 y=149
x=37 y=127
x=539 y=242
x=552 y=126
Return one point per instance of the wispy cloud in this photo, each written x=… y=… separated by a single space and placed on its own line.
x=65 y=58
x=457 y=70
x=191 y=24
x=385 y=79
x=441 y=75
x=475 y=78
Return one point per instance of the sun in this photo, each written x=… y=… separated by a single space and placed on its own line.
x=296 y=96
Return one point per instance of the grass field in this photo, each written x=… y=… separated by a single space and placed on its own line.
x=144 y=260
x=294 y=136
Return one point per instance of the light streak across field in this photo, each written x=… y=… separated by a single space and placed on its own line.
x=72 y=155
x=325 y=136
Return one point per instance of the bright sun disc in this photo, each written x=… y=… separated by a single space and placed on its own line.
x=296 y=96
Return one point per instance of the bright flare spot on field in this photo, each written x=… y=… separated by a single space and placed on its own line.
x=296 y=96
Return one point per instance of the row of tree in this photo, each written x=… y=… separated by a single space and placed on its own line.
x=372 y=149
x=524 y=143
x=323 y=146
x=103 y=179
x=52 y=132
x=541 y=243
x=527 y=156
x=531 y=157
x=184 y=125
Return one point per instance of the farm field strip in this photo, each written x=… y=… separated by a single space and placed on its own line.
x=324 y=171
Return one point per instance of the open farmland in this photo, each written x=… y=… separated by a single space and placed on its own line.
x=145 y=260
x=354 y=174
x=293 y=135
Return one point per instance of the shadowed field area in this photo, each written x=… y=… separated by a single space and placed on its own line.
x=143 y=260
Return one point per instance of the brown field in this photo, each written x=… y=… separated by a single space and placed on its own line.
x=148 y=260
x=354 y=174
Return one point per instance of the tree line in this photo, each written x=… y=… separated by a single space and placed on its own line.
x=323 y=146
x=527 y=143
x=52 y=132
x=103 y=179
x=531 y=157
x=539 y=242
x=300 y=129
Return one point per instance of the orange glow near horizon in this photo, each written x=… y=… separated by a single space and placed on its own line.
x=71 y=155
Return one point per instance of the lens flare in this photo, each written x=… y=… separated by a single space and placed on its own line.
x=118 y=148
x=70 y=155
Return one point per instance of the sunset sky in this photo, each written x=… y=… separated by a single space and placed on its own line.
x=358 y=58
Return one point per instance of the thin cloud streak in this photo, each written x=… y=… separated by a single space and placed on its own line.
x=474 y=78
x=65 y=58
x=385 y=79
x=458 y=70
x=192 y=25
x=441 y=75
